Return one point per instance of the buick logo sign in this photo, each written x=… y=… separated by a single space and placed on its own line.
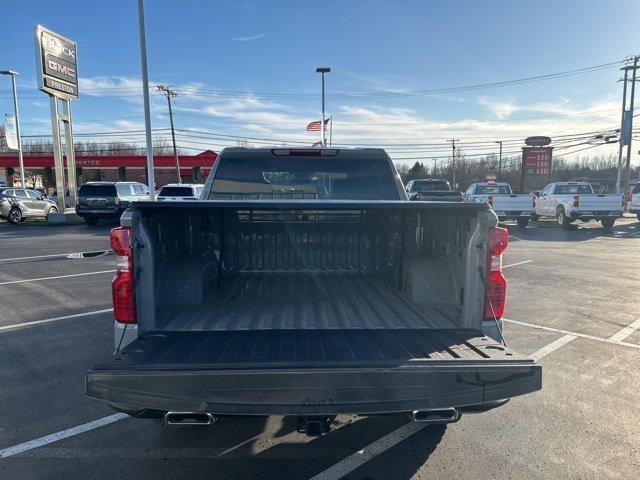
x=57 y=64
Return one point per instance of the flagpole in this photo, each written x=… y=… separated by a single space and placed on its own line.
x=322 y=71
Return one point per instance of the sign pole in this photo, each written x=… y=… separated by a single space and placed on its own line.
x=522 y=167
x=57 y=152
x=71 y=154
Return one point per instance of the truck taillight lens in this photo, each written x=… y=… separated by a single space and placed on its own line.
x=576 y=201
x=122 y=285
x=496 y=284
x=490 y=200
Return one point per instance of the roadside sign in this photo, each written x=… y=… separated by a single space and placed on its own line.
x=57 y=64
x=537 y=160
x=10 y=132
x=537 y=141
x=625 y=134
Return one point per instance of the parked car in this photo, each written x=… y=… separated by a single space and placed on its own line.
x=98 y=200
x=67 y=198
x=432 y=189
x=180 y=191
x=571 y=201
x=634 y=203
x=312 y=287
x=17 y=204
x=506 y=204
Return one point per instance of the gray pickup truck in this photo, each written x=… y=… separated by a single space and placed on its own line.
x=304 y=283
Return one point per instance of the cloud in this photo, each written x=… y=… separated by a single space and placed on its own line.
x=249 y=38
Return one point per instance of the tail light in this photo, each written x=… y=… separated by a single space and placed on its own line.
x=490 y=200
x=117 y=200
x=496 y=284
x=122 y=285
x=576 y=201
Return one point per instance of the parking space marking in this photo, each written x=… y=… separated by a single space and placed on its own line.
x=625 y=332
x=349 y=464
x=8 y=328
x=552 y=347
x=53 y=255
x=56 y=277
x=54 y=437
x=517 y=263
x=575 y=334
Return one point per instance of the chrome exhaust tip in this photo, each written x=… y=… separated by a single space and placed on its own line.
x=436 y=416
x=189 y=418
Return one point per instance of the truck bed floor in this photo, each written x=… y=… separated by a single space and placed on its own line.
x=304 y=301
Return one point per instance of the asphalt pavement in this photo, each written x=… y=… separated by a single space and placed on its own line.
x=572 y=303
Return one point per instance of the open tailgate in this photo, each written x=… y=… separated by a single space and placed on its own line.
x=298 y=372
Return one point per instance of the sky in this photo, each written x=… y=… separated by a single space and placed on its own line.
x=245 y=71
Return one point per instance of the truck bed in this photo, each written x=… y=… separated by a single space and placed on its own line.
x=303 y=301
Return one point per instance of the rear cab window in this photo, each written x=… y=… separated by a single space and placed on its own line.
x=97 y=191
x=123 y=190
x=423 y=187
x=303 y=177
x=493 y=190
x=573 y=190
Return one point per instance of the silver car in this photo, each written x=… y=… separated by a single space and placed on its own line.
x=17 y=204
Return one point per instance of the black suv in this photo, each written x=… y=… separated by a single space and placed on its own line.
x=98 y=200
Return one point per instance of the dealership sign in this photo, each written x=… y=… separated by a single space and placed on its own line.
x=57 y=63
x=536 y=160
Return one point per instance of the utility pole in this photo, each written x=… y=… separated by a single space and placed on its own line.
x=453 y=160
x=624 y=107
x=627 y=171
x=499 y=160
x=168 y=92
x=322 y=71
x=435 y=166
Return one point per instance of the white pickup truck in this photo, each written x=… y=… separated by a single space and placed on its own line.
x=571 y=201
x=506 y=204
x=634 y=204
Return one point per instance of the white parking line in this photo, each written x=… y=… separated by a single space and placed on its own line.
x=349 y=464
x=8 y=328
x=54 y=278
x=552 y=347
x=54 y=437
x=575 y=334
x=517 y=263
x=46 y=256
x=625 y=332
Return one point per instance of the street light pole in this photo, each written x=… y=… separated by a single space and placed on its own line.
x=322 y=71
x=17 y=115
x=145 y=94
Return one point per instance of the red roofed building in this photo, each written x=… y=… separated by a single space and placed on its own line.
x=193 y=168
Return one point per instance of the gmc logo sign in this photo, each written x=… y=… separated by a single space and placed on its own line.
x=55 y=66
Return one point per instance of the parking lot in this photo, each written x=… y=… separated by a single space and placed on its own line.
x=573 y=304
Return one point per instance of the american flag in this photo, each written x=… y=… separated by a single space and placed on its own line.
x=315 y=126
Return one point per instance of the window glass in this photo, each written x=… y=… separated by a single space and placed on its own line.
x=423 y=187
x=636 y=189
x=176 y=192
x=33 y=194
x=97 y=191
x=573 y=190
x=138 y=189
x=493 y=190
x=124 y=190
x=21 y=193
x=296 y=177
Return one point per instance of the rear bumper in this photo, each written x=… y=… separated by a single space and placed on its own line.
x=513 y=215
x=592 y=215
x=315 y=391
x=114 y=212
